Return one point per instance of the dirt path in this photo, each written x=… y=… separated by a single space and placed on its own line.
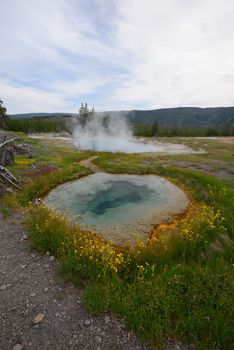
x=29 y=287
x=88 y=163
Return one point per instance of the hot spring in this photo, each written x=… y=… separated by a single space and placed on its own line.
x=102 y=132
x=119 y=208
x=117 y=144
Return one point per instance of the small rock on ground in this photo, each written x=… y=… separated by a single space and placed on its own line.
x=39 y=318
x=18 y=347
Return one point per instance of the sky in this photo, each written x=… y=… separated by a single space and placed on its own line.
x=116 y=54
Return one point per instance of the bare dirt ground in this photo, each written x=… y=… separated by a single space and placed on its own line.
x=225 y=139
x=29 y=286
x=88 y=163
x=222 y=171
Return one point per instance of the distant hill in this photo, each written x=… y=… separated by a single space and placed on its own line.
x=181 y=117
x=39 y=115
x=184 y=117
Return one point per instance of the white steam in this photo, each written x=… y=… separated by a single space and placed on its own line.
x=107 y=133
x=111 y=133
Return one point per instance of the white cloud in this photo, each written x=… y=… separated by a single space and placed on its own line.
x=124 y=54
x=28 y=100
x=79 y=87
x=177 y=50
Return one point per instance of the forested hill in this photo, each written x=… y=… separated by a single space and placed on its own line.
x=184 y=117
x=39 y=115
x=181 y=117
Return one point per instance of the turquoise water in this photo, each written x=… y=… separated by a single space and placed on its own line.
x=119 y=207
x=116 y=194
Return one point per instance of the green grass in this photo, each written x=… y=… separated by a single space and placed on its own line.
x=9 y=203
x=179 y=301
x=174 y=287
x=172 y=291
x=44 y=183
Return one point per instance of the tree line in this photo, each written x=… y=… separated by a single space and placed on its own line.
x=170 y=131
x=86 y=114
x=36 y=125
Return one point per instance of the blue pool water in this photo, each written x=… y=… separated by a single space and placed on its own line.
x=120 y=208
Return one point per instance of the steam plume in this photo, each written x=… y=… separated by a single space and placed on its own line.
x=102 y=132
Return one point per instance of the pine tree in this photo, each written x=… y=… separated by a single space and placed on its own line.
x=3 y=115
x=154 y=129
x=85 y=114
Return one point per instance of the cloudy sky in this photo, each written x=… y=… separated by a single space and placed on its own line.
x=116 y=54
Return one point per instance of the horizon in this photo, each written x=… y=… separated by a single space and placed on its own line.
x=116 y=55
x=126 y=110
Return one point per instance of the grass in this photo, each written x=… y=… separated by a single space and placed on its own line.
x=44 y=183
x=175 y=286
x=163 y=289
x=9 y=203
x=182 y=301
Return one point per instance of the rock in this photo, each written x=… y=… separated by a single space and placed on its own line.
x=38 y=319
x=45 y=289
x=107 y=319
x=38 y=201
x=32 y=295
x=26 y=312
x=47 y=266
x=18 y=347
x=87 y=322
x=52 y=258
x=23 y=266
x=3 y=287
x=24 y=237
x=98 y=339
x=214 y=248
x=226 y=239
x=47 y=253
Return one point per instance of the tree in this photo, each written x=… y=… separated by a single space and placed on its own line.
x=3 y=115
x=85 y=114
x=154 y=129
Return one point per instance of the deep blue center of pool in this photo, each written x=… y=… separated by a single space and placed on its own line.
x=117 y=194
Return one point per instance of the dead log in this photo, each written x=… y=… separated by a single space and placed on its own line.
x=6 y=154
x=7 y=177
x=7 y=158
x=22 y=148
x=6 y=142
